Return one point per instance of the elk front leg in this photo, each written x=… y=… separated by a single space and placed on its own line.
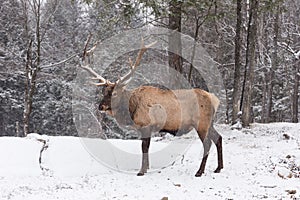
x=145 y=158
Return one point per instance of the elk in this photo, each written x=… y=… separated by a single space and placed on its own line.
x=153 y=109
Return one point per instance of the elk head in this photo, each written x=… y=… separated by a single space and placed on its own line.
x=114 y=91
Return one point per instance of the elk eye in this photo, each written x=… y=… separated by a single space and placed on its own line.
x=114 y=94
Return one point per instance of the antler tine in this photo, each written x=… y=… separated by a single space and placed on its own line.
x=130 y=62
x=102 y=80
x=91 y=51
x=151 y=44
x=96 y=76
x=142 y=51
x=127 y=77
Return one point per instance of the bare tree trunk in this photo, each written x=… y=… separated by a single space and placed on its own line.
x=31 y=76
x=194 y=48
x=175 y=59
x=269 y=102
x=250 y=63
x=28 y=91
x=271 y=75
x=264 y=45
x=295 y=100
x=199 y=22
x=264 y=95
x=33 y=60
x=237 y=55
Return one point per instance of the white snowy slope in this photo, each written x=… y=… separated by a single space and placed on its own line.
x=259 y=163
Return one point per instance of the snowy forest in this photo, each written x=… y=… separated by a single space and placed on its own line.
x=252 y=47
x=255 y=44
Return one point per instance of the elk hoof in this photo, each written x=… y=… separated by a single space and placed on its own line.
x=140 y=174
x=198 y=174
x=218 y=170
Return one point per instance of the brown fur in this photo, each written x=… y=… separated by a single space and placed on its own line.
x=153 y=109
x=172 y=109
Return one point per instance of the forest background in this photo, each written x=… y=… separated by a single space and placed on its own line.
x=254 y=43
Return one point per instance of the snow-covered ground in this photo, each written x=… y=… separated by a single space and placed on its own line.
x=259 y=163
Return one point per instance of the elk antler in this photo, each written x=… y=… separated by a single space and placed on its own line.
x=96 y=76
x=102 y=81
x=124 y=80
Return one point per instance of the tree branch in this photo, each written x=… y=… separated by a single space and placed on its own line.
x=58 y=63
x=289 y=49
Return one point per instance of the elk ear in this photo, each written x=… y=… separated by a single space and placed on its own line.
x=121 y=87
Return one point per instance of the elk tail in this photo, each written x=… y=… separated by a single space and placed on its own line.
x=215 y=102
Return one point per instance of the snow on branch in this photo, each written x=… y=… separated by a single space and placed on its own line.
x=290 y=49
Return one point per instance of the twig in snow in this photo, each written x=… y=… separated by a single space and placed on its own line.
x=44 y=147
x=182 y=158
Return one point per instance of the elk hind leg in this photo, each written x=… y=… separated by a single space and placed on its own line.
x=206 y=145
x=217 y=139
